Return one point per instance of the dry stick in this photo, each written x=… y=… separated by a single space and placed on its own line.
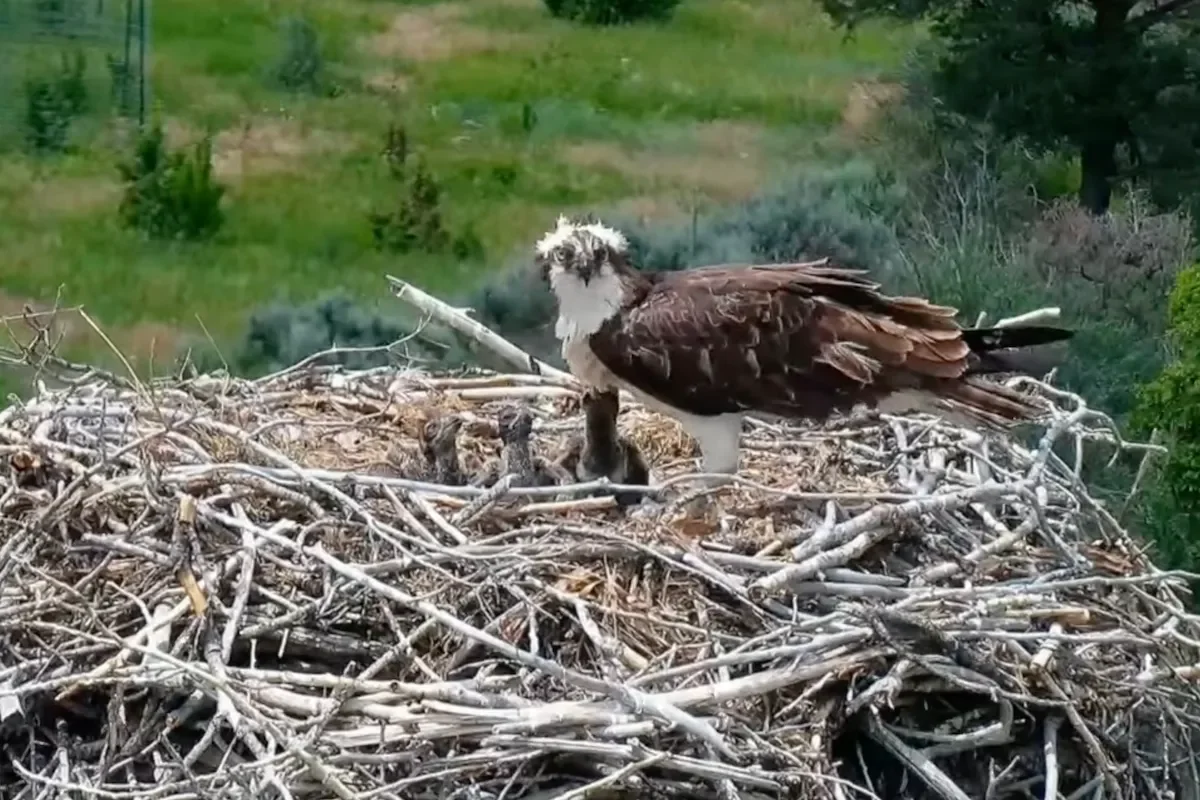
x=865 y=528
x=130 y=644
x=475 y=331
x=318 y=770
x=585 y=791
x=916 y=761
x=632 y=698
x=1041 y=316
x=947 y=569
x=1050 y=751
x=638 y=701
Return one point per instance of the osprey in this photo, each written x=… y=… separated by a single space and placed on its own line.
x=801 y=341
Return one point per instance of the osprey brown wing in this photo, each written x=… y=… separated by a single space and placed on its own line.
x=794 y=340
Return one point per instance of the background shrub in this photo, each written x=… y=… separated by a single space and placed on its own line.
x=1111 y=274
x=1171 y=404
x=416 y=222
x=298 y=66
x=611 y=12
x=170 y=195
x=281 y=334
x=976 y=232
x=53 y=101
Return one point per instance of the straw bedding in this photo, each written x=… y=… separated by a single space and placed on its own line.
x=219 y=588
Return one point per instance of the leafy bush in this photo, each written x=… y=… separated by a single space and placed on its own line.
x=1171 y=404
x=170 y=195
x=611 y=12
x=416 y=223
x=299 y=63
x=52 y=102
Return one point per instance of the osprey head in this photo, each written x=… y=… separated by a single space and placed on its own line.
x=583 y=250
x=439 y=435
x=582 y=263
x=514 y=422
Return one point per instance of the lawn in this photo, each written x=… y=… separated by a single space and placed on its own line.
x=519 y=116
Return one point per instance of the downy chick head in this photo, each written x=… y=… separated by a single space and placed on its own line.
x=439 y=436
x=515 y=423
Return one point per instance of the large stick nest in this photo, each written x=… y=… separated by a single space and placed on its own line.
x=208 y=590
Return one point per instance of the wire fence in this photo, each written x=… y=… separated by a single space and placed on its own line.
x=69 y=68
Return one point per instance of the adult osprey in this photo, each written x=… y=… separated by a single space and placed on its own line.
x=710 y=344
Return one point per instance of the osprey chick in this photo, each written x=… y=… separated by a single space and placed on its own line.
x=802 y=341
x=515 y=424
x=436 y=460
x=439 y=446
x=602 y=452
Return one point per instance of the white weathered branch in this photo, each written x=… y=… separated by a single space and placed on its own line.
x=474 y=330
x=1040 y=316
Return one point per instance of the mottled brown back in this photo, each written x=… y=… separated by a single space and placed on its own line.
x=795 y=340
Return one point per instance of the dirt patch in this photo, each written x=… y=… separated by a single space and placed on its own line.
x=262 y=145
x=266 y=146
x=388 y=82
x=71 y=196
x=438 y=32
x=721 y=176
x=867 y=99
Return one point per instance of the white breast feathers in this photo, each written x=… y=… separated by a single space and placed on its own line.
x=584 y=307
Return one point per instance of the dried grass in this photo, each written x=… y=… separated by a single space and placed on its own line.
x=205 y=591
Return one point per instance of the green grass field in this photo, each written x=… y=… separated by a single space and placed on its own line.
x=651 y=120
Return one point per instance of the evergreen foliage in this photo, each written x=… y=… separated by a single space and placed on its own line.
x=299 y=64
x=170 y=195
x=1118 y=86
x=416 y=222
x=52 y=102
x=1171 y=404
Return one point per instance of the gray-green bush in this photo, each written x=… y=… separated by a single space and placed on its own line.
x=298 y=65
x=282 y=334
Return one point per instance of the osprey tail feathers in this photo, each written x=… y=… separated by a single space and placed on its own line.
x=989 y=403
x=1031 y=350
